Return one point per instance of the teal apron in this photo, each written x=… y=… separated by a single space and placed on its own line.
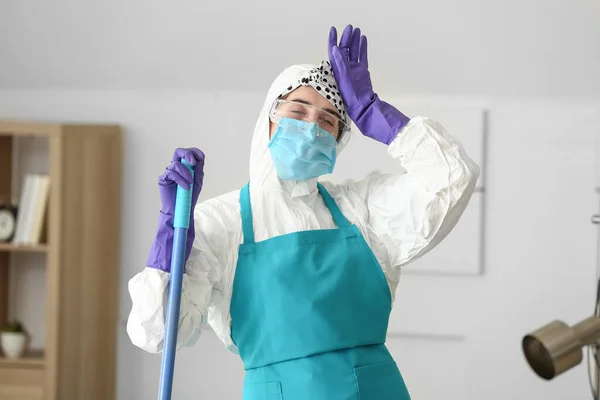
x=310 y=313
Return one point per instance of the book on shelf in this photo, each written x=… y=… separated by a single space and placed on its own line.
x=32 y=209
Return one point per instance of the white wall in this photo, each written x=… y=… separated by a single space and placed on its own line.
x=534 y=69
x=511 y=47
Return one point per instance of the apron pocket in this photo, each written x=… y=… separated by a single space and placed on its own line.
x=262 y=391
x=380 y=382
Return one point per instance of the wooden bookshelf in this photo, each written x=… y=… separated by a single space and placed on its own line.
x=81 y=255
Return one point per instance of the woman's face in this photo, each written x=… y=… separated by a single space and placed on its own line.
x=322 y=109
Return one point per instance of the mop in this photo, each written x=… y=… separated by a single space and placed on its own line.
x=181 y=223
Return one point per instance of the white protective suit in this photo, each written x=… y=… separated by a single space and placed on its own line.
x=402 y=216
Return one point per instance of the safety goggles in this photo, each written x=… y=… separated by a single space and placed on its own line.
x=308 y=113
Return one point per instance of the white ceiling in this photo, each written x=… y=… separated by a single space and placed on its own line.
x=466 y=47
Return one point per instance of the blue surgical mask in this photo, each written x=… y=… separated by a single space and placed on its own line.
x=302 y=150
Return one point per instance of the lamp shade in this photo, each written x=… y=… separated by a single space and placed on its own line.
x=557 y=347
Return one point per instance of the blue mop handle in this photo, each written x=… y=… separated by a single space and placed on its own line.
x=181 y=222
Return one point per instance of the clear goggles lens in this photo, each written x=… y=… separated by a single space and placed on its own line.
x=305 y=112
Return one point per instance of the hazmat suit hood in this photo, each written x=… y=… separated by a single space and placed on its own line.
x=264 y=180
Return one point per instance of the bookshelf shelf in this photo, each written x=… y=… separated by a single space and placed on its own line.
x=23 y=248
x=34 y=359
x=69 y=307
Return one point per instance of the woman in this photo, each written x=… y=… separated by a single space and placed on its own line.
x=296 y=276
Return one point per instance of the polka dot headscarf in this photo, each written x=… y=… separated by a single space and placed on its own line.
x=321 y=79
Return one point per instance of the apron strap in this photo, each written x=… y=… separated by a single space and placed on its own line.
x=246 y=211
x=337 y=215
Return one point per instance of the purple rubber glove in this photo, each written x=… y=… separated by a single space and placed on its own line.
x=375 y=118
x=176 y=174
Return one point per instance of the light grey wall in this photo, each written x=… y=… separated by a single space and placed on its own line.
x=511 y=47
x=190 y=73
